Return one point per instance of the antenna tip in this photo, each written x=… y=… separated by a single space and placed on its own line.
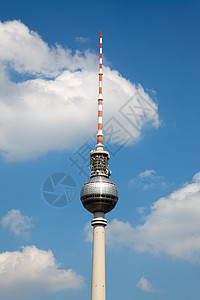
x=100 y=34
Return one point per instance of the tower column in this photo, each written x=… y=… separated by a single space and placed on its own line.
x=99 y=196
x=98 y=260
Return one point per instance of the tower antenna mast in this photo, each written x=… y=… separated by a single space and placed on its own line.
x=100 y=145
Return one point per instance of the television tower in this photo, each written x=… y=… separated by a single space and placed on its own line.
x=99 y=195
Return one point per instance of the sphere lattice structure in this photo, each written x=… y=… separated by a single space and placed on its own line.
x=99 y=194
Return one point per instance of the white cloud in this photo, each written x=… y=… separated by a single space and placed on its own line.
x=37 y=115
x=17 y=223
x=148 y=179
x=33 y=271
x=172 y=227
x=25 y=51
x=119 y=232
x=88 y=232
x=145 y=285
x=147 y=173
x=141 y=209
x=81 y=39
x=196 y=177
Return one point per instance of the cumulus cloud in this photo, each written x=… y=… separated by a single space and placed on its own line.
x=171 y=228
x=45 y=91
x=145 y=285
x=26 y=52
x=148 y=179
x=33 y=271
x=17 y=223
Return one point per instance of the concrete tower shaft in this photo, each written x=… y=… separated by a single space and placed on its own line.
x=98 y=260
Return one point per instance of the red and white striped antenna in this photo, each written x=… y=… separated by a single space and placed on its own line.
x=100 y=145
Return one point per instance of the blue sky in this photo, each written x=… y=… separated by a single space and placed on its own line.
x=48 y=114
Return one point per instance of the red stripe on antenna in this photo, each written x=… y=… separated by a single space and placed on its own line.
x=100 y=145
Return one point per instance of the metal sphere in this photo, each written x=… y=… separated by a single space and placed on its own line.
x=99 y=193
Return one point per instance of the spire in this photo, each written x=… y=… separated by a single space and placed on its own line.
x=100 y=145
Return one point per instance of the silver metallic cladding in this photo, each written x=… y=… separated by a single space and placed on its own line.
x=99 y=185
